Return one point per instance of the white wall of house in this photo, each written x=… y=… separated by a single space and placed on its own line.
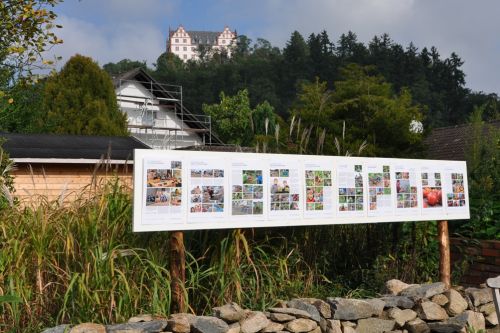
x=154 y=124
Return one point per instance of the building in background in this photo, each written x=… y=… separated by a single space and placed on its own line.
x=188 y=45
x=156 y=114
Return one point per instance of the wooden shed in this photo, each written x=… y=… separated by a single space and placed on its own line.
x=63 y=166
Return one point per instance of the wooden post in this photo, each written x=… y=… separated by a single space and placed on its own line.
x=177 y=271
x=444 y=253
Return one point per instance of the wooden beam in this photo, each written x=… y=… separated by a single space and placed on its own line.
x=177 y=271
x=444 y=253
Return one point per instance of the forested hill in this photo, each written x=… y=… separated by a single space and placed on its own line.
x=269 y=73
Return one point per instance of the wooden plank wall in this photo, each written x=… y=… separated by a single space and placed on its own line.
x=51 y=181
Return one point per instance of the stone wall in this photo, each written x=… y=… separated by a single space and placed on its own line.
x=482 y=260
x=404 y=308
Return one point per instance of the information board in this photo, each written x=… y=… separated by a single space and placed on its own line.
x=190 y=190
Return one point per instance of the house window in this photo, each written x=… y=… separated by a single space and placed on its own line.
x=184 y=40
x=223 y=41
x=185 y=56
x=185 y=48
x=177 y=40
x=177 y=48
x=193 y=48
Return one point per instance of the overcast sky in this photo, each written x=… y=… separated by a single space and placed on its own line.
x=111 y=30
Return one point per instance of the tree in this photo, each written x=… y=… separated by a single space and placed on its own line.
x=81 y=99
x=26 y=31
x=123 y=65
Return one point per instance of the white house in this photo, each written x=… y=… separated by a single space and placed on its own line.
x=186 y=44
x=156 y=114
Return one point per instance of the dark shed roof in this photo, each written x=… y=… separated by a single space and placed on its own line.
x=204 y=37
x=51 y=146
x=452 y=143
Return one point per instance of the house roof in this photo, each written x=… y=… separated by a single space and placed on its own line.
x=191 y=119
x=452 y=143
x=204 y=37
x=33 y=148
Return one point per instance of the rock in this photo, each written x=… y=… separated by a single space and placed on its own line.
x=273 y=327
x=231 y=312
x=440 y=299
x=487 y=308
x=281 y=317
x=457 y=304
x=333 y=326
x=375 y=325
x=402 y=316
x=291 y=311
x=190 y=317
x=323 y=308
x=492 y=319
x=395 y=286
x=323 y=324
x=57 y=329
x=301 y=305
x=350 y=309
x=377 y=305
x=418 y=292
x=479 y=296
x=316 y=330
x=348 y=327
x=142 y=318
x=459 y=323
x=398 y=302
x=417 y=325
x=253 y=322
x=179 y=325
x=432 y=311
x=234 y=328
x=301 y=325
x=88 y=328
x=204 y=324
x=139 y=327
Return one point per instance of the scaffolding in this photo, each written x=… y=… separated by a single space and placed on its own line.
x=157 y=116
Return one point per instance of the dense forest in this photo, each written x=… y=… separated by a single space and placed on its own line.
x=275 y=75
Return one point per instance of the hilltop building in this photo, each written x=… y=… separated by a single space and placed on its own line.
x=188 y=44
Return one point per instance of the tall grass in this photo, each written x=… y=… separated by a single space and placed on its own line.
x=81 y=262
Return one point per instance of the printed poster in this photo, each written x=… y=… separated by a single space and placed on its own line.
x=406 y=190
x=284 y=190
x=163 y=200
x=318 y=189
x=247 y=189
x=455 y=191
x=351 y=193
x=379 y=190
x=432 y=190
x=207 y=188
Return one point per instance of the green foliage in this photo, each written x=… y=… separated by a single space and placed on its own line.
x=6 y=179
x=366 y=104
x=236 y=122
x=81 y=99
x=483 y=163
x=123 y=66
x=27 y=31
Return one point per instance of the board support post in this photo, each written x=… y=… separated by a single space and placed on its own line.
x=177 y=272
x=444 y=253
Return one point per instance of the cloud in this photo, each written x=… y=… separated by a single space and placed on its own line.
x=132 y=40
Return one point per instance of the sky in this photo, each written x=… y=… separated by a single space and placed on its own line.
x=112 y=30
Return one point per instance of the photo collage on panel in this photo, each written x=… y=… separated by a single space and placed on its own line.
x=207 y=191
x=284 y=192
x=406 y=191
x=432 y=193
x=379 y=189
x=351 y=190
x=318 y=189
x=247 y=192
x=164 y=186
x=456 y=198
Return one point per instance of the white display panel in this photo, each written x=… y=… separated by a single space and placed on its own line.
x=186 y=190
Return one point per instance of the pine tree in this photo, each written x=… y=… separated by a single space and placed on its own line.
x=81 y=99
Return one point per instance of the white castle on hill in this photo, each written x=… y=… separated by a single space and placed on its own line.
x=188 y=44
